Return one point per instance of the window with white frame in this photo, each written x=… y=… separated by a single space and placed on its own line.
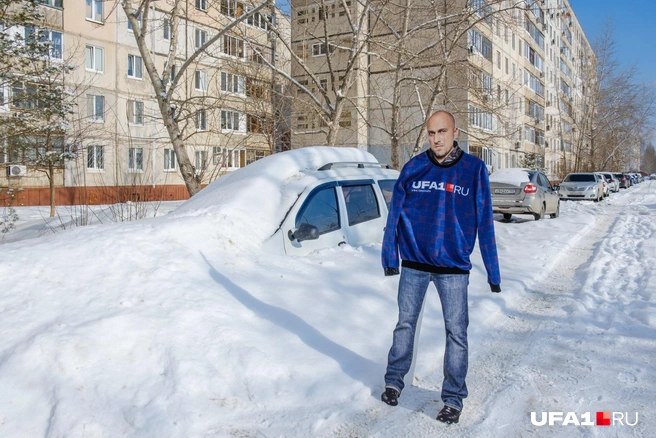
x=232 y=83
x=225 y=157
x=4 y=97
x=478 y=43
x=233 y=46
x=534 y=110
x=55 y=3
x=260 y=20
x=95 y=58
x=319 y=49
x=201 y=160
x=169 y=160
x=232 y=8
x=200 y=80
x=135 y=159
x=52 y=37
x=96 y=108
x=231 y=121
x=201 y=5
x=95 y=10
x=200 y=38
x=135 y=67
x=139 y=21
x=533 y=83
x=201 y=120
x=95 y=157
x=135 y=112
x=487 y=84
x=536 y=60
x=479 y=118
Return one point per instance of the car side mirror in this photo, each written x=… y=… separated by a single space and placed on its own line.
x=304 y=232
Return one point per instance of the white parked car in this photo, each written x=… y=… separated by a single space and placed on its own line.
x=605 y=183
x=613 y=182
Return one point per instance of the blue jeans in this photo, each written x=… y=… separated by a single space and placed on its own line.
x=452 y=289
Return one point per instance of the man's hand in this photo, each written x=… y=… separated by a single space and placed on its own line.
x=495 y=287
x=391 y=271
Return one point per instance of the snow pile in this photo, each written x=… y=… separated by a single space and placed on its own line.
x=252 y=201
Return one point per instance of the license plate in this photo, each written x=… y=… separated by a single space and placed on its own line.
x=504 y=191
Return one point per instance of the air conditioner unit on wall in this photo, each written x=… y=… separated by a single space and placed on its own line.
x=16 y=170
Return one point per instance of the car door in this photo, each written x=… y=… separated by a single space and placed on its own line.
x=365 y=212
x=320 y=209
x=551 y=196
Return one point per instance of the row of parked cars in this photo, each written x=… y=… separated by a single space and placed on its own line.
x=525 y=191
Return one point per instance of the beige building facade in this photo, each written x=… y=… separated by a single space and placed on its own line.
x=223 y=100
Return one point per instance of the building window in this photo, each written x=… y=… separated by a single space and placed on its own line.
x=479 y=44
x=233 y=46
x=201 y=120
x=135 y=67
x=200 y=80
x=230 y=120
x=139 y=21
x=95 y=10
x=320 y=48
x=259 y=20
x=95 y=157
x=96 y=108
x=201 y=5
x=201 y=160
x=135 y=112
x=53 y=38
x=166 y=29
x=169 y=160
x=95 y=59
x=135 y=159
x=200 y=38
x=232 y=83
x=232 y=8
x=479 y=118
x=226 y=158
x=55 y=3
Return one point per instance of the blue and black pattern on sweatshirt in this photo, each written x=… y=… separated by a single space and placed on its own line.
x=437 y=213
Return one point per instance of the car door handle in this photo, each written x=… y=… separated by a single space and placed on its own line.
x=341 y=243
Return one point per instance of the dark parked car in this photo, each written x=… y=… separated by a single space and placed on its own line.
x=625 y=182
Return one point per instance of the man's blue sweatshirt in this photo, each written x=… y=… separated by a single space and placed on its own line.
x=437 y=212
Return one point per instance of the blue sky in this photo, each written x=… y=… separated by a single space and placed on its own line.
x=635 y=30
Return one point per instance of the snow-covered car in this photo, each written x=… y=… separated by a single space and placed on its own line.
x=582 y=185
x=306 y=199
x=523 y=191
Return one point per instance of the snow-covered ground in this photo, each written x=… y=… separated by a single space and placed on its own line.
x=172 y=327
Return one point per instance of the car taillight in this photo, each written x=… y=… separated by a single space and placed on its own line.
x=530 y=188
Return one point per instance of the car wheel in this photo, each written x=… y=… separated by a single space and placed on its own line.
x=540 y=215
x=557 y=212
x=507 y=216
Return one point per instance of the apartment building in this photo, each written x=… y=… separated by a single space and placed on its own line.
x=222 y=103
x=514 y=74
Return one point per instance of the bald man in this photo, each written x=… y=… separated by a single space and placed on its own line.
x=440 y=204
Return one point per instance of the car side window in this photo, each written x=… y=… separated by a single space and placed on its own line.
x=320 y=210
x=361 y=203
x=544 y=181
x=387 y=187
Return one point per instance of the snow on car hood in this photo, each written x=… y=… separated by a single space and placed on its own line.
x=252 y=201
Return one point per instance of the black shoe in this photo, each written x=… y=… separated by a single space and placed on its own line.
x=448 y=415
x=390 y=396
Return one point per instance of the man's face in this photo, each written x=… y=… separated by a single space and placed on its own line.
x=441 y=133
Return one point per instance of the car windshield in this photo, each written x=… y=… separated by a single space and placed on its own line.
x=580 y=177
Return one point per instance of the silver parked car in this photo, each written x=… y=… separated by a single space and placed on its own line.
x=605 y=184
x=582 y=185
x=523 y=191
